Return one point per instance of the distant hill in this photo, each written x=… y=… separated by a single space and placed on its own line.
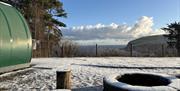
x=151 y=46
x=157 y=39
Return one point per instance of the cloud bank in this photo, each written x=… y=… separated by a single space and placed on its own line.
x=112 y=34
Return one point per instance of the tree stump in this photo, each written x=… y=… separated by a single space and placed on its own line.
x=63 y=78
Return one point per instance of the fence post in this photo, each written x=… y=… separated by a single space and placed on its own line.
x=163 y=50
x=131 y=50
x=62 y=51
x=96 y=50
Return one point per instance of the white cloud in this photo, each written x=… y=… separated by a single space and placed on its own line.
x=113 y=33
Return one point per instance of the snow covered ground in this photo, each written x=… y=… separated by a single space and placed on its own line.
x=87 y=73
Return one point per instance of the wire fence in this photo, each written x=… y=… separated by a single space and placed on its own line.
x=141 y=50
x=153 y=50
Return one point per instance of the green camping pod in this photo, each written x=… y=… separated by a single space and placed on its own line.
x=15 y=39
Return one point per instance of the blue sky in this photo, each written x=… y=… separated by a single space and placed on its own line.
x=86 y=12
x=83 y=13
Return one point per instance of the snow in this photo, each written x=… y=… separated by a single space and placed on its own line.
x=175 y=84
x=87 y=73
x=5 y=3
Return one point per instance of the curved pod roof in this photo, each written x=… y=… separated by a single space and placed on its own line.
x=15 y=37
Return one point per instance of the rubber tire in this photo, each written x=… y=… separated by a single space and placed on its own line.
x=110 y=83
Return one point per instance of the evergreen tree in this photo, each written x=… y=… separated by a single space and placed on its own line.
x=174 y=35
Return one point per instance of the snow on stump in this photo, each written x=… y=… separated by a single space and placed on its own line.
x=63 y=77
x=141 y=82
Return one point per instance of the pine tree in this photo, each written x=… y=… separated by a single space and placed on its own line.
x=174 y=35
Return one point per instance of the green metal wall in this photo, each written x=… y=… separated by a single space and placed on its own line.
x=15 y=37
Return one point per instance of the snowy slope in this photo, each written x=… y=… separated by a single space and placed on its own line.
x=156 y=39
x=87 y=73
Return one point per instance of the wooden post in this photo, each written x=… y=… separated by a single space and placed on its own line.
x=96 y=50
x=163 y=50
x=131 y=50
x=63 y=78
x=62 y=51
x=48 y=45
